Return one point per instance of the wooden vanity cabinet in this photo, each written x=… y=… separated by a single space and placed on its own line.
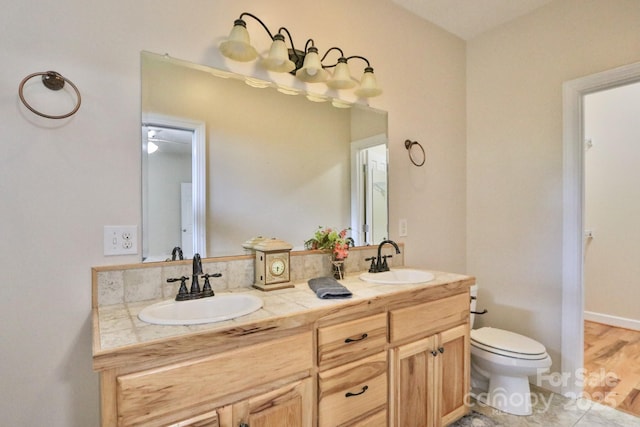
x=246 y=385
x=429 y=374
x=399 y=361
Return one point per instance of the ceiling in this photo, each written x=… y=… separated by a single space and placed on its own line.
x=469 y=18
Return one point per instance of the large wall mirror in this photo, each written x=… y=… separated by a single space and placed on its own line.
x=226 y=158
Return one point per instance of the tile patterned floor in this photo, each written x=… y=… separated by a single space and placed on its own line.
x=553 y=410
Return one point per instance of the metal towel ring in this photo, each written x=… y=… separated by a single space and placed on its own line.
x=54 y=81
x=408 y=144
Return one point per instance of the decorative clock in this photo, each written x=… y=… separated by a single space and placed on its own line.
x=272 y=264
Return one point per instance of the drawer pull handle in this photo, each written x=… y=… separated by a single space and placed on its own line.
x=348 y=340
x=349 y=394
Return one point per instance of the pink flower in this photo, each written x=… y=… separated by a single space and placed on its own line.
x=341 y=250
x=335 y=242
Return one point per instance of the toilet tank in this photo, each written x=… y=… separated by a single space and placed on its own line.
x=474 y=295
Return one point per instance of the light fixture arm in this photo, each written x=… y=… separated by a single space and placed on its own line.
x=327 y=53
x=306 y=45
x=295 y=55
x=293 y=52
x=360 y=57
x=342 y=58
x=261 y=23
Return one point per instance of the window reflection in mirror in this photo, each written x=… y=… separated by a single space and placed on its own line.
x=276 y=165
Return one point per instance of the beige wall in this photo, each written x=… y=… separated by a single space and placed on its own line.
x=62 y=181
x=612 y=206
x=514 y=152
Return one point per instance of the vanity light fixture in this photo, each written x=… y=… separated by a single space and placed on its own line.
x=306 y=65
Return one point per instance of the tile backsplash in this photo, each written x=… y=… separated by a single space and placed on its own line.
x=140 y=282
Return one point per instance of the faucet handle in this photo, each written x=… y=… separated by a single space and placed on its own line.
x=183 y=294
x=372 y=267
x=207 y=291
x=385 y=266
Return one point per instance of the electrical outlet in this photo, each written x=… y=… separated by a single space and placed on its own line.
x=120 y=239
x=402 y=228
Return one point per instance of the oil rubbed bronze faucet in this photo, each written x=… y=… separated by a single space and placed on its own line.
x=197 y=270
x=379 y=263
x=195 y=292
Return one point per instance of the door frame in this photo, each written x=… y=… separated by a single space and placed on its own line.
x=357 y=196
x=198 y=171
x=573 y=93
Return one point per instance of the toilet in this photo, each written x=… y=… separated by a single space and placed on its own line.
x=501 y=363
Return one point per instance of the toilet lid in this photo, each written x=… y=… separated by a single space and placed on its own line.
x=507 y=343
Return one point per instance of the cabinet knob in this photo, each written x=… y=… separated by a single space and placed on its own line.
x=433 y=352
x=441 y=349
x=243 y=425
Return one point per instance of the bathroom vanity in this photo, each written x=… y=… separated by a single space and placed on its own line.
x=393 y=355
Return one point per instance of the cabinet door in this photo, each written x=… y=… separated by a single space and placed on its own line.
x=430 y=379
x=454 y=361
x=288 y=406
x=210 y=419
x=413 y=379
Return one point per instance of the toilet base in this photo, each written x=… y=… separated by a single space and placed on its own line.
x=508 y=394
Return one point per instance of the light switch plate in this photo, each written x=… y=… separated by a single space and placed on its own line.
x=402 y=228
x=120 y=239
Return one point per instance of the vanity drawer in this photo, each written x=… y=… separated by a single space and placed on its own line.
x=349 y=341
x=379 y=419
x=428 y=318
x=350 y=391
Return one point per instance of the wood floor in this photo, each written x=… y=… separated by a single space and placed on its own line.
x=612 y=362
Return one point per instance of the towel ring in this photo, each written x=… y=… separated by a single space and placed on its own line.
x=417 y=160
x=54 y=81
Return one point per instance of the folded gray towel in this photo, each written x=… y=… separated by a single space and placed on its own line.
x=328 y=288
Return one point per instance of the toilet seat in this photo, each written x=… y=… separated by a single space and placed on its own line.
x=508 y=344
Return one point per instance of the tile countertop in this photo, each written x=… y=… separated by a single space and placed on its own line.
x=118 y=333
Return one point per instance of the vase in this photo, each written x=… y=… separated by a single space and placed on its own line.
x=338 y=268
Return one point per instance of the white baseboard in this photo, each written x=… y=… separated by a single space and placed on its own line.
x=607 y=319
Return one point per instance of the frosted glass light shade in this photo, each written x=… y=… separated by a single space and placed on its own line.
x=368 y=85
x=237 y=46
x=312 y=71
x=151 y=147
x=341 y=78
x=278 y=58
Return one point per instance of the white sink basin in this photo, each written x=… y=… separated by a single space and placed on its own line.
x=204 y=310
x=399 y=276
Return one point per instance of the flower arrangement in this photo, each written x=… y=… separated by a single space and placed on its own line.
x=328 y=239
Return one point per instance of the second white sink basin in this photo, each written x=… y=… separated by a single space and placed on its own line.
x=204 y=310
x=398 y=276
